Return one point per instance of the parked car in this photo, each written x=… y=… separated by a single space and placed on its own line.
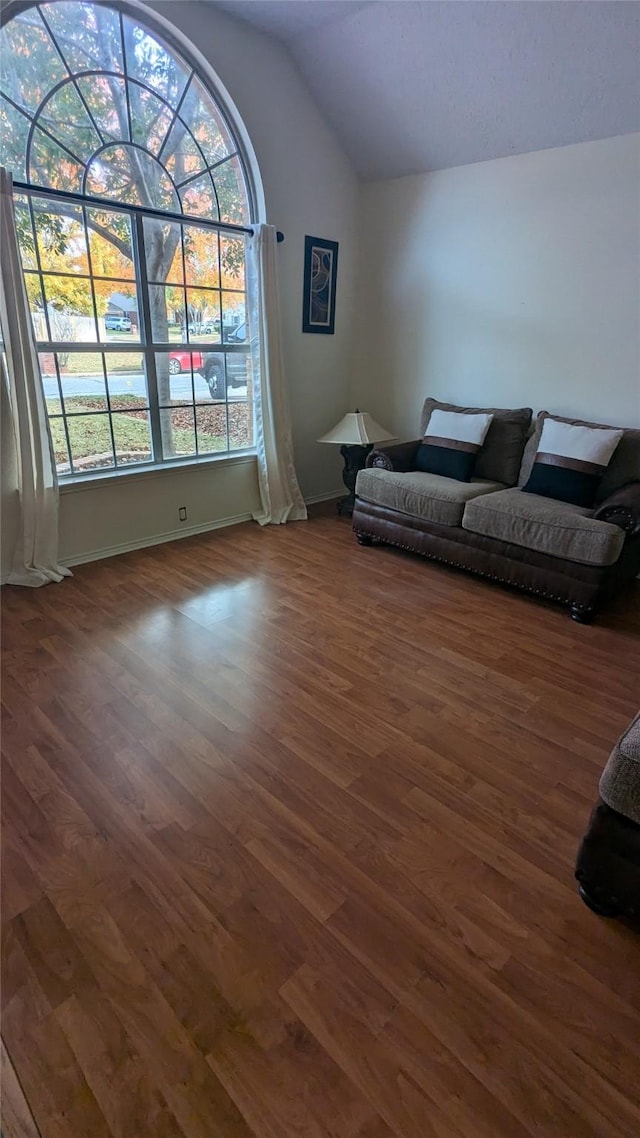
x=211 y=366
x=237 y=335
x=117 y=323
x=213 y=370
x=181 y=361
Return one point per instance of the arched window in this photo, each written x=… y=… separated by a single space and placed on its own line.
x=133 y=204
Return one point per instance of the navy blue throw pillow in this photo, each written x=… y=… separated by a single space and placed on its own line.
x=449 y=463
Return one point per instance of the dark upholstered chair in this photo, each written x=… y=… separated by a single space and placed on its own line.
x=608 y=865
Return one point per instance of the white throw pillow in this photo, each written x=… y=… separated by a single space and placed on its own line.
x=452 y=443
x=570 y=461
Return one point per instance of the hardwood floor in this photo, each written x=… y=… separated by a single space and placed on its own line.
x=288 y=831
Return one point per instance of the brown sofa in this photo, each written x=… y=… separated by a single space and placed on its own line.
x=489 y=526
x=608 y=865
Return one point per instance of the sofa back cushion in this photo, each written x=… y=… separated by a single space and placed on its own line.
x=623 y=468
x=501 y=455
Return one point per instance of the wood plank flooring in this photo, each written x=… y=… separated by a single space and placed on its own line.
x=288 y=836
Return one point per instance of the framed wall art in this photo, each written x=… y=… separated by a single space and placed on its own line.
x=319 y=294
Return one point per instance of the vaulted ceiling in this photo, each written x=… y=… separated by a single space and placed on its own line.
x=410 y=87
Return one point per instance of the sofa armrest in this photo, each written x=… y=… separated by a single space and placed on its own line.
x=622 y=508
x=399 y=456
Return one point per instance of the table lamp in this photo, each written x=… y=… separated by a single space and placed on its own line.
x=357 y=432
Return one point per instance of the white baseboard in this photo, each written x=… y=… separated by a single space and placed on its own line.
x=173 y=535
x=156 y=539
x=325 y=497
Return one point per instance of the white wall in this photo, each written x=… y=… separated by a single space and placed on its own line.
x=507 y=283
x=91 y=514
x=309 y=188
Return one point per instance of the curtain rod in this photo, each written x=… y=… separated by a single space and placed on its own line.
x=106 y=203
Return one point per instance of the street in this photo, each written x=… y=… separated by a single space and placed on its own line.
x=133 y=384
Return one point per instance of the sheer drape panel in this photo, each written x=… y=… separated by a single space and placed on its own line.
x=279 y=491
x=36 y=556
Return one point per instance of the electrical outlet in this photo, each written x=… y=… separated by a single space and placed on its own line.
x=182 y=513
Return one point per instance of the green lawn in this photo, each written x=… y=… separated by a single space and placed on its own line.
x=88 y=363
x=90 y=436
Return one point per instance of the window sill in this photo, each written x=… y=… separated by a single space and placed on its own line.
x=79 y=482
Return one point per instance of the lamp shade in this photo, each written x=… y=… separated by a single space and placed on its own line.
x=357 y=428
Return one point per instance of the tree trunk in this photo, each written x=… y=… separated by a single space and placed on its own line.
x=160 y=326
x=161 y=242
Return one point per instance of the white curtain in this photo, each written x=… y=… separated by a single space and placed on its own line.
x=36 y=556
x=279 y=491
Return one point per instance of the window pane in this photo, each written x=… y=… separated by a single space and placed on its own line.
x=125 y=174
x=33 y=286
x=14 y=129
x=62 y=247
x=91 y=444
x=67 y=120
x=203 y=308
x=234 y=317
x=168 y=321
x=206 y=123
x=50 y=165
x=232 y=194
x=182 y=156
x=59 y=442
x=237 y=375
x=232 y=262
x=82 y=381
x=201 y=388
x=149 y=61
x=211 y=424
x=150 y=118
x=215 y=374
x=199 y=199
x=118 y=318
x=240 y=426
x=201 y=256
x=174 y=375
x=163 y=250
x=132 y=437
x=110 y=244
x=89 y=32
x=127 y=380
x=70 y=309
x=181 y=425
x=24 y=230
x=106 y=96
x=50 y=382
x=29 y=62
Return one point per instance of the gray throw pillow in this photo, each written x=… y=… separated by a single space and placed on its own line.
x=623 y=468
x=501 y=455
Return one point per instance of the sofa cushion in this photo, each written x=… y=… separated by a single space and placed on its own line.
x=452 y=444
x=620 y=779
x=545 y=525
x=501 y=455
x=570 y=462
x=429 y=496
x=623 y=468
